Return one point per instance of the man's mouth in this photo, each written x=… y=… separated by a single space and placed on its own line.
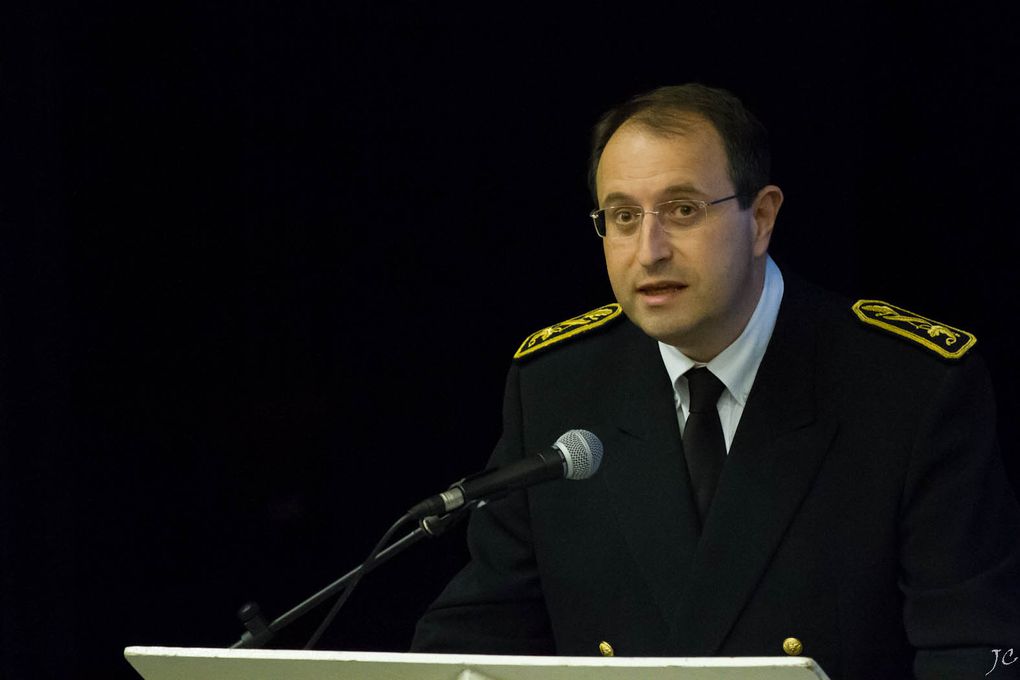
x=660 y=287
x=660 y=292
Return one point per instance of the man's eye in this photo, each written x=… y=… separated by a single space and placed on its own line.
x=624 y=216
x=682 y=210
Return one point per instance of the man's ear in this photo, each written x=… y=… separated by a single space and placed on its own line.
x=763 y=211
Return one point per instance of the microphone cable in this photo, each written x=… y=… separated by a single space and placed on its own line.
x=578 y=454
x=366 y=566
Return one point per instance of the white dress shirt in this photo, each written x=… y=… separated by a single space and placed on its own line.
x=737 y=365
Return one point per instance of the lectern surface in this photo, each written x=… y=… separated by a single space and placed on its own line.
x=175 y=663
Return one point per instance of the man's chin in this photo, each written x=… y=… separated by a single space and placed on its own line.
x=666 y=330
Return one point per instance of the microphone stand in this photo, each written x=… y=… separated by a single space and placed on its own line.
x=259 y=633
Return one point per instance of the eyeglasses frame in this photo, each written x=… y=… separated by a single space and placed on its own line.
x=594 y=214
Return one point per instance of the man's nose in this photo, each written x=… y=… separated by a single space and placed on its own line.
x=653 y=240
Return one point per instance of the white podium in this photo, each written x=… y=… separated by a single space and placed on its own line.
x=175 y=663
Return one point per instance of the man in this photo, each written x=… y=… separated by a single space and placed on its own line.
x=840 y=496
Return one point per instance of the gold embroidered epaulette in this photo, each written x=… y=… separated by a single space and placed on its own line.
x=588 y=321
x=946 y=341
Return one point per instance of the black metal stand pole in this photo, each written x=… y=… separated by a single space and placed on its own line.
x=258 y=633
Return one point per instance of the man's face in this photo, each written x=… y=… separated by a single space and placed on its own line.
x=695 y=289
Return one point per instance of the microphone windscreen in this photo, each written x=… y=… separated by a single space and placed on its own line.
x=582 y=451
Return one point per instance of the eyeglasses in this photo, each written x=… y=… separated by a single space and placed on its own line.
x=620 y=222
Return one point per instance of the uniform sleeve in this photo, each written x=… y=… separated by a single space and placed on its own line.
x=495 y=604
x=960 y=535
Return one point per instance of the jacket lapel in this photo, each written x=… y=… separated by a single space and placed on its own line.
x=645 y=473
x=776 y=452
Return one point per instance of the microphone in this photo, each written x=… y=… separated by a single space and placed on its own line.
x=577 y=454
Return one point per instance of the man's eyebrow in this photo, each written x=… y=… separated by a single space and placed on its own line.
x=617 y=198
x=620 y=198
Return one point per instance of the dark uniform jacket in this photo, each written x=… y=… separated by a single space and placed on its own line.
x=862 y=509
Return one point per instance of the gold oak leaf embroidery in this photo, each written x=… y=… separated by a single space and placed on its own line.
x=565 y=329
x=946 y=341
x=584 y=320
x=933 y=330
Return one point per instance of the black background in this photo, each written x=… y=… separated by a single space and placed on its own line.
x=264 y=266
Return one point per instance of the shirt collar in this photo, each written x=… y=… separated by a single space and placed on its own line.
x=737 y=365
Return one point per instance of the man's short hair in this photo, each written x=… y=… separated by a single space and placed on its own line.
x=667 y=110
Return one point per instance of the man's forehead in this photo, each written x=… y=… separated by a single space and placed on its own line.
x=636 y=151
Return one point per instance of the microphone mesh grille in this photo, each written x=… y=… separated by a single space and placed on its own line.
x=582 y=451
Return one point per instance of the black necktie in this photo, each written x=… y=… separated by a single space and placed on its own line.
x=704 y=446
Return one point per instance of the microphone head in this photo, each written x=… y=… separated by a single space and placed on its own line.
x=582 y=453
